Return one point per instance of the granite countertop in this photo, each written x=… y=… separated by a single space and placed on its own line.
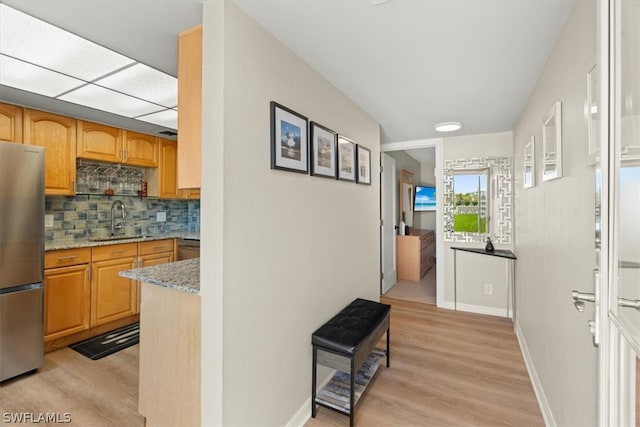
x=87 y=243
x=182 y=276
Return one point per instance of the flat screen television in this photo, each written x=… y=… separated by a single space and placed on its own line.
x=425 y=198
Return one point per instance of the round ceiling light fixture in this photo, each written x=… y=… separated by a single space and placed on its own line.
x=448 y=126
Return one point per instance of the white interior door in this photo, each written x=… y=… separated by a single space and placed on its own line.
x=388 y=222
x=624 y=212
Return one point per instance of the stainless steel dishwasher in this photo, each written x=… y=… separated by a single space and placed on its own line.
x=188 y=248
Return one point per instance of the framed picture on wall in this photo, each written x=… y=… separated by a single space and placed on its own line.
x=289 y=140
x=552 y=143
x=323 y=151
x=529 y=165
x=364 y=165
x=346 y=159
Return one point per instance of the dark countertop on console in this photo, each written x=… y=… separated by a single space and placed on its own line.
x=502 y=253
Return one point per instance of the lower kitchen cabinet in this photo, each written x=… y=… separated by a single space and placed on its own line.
x=113 y=297
x=154 y=253
x=67 y=299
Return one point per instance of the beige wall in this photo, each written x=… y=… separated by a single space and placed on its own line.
x=555 y=235
x=472 y=294
x=294 y=249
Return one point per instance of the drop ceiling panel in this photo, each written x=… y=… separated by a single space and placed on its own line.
x=107 y=100
x=144 y=82
x=24 y=76
x=43 y=44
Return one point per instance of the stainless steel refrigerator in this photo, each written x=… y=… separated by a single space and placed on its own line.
x=21 y=258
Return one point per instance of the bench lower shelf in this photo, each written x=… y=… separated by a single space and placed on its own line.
x=335 y=394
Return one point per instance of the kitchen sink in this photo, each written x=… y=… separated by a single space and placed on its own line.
x=114 y=238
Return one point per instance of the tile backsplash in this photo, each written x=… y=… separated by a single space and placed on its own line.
x=89 y=216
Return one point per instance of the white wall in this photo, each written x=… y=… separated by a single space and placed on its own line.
x=294 y=249
x=555 y=234
x=471 y=294
x=405 y=161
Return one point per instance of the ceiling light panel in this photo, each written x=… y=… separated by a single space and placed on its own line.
x=107 y=100
x=40 y=43
x=144 y=82
x=166 y=118
x=31 y=78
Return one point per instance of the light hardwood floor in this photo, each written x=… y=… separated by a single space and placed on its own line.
x=93 y=392
x=423 y=291
x=447 y=369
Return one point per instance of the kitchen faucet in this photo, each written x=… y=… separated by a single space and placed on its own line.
x=117 y=205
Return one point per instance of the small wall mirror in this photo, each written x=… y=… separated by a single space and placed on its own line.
x=477 y=199
x=406 y=197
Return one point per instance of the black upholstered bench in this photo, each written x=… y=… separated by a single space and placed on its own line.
x=347 y=343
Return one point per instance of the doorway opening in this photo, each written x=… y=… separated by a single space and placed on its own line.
x=415 y=167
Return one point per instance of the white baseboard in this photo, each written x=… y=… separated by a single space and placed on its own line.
x=535 y=380
x=449 y=305
x=303 y=414
x=480 y=309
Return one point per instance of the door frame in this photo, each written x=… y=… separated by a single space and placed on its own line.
x=385 y=277
x=437 y=144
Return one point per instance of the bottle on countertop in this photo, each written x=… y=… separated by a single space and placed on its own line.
x=402 y=227
x=489 y=247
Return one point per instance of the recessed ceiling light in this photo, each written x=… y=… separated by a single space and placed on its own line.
x=448 y=126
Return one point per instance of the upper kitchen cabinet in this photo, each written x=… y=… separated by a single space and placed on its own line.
x=109 y=144
x=189 y=107
x=99 y=142
x=57 y=134
x=167 y=182
x=140 y=149
x=10 y=123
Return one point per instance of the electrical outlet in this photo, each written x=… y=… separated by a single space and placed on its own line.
x=48 y=221
x=488 y=289
x=161 y=216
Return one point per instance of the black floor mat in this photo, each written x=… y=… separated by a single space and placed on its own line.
x=110 y=342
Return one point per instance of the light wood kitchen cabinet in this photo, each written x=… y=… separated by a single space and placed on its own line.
x=189 y=107
x=57 y=134
x=167 y=163
x=140 y=149
x=154 y=252
x=110 y=144
x=10 y=123
x=67 y=293
x=99 y=142
x=190 y=193
x=112 y=296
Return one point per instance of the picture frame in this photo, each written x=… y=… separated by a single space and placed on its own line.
x=323 y=148
x=592 y=114
x=346 y=160
x=289 y=139
x=529 y=164
x=552 y=143
x=363 y=156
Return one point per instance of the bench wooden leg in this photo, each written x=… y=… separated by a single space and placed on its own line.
x=313 y=382
x=388 y=347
